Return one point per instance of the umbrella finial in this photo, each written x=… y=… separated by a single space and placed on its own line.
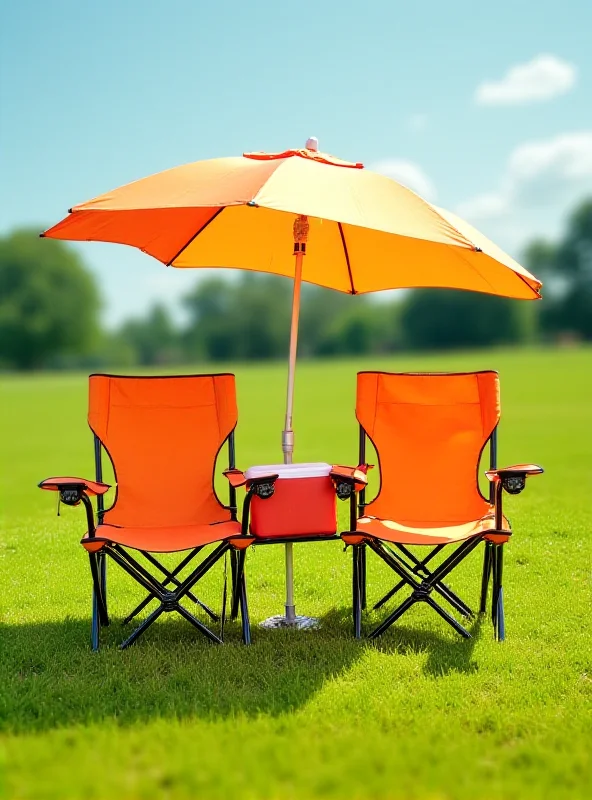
x=312 y=143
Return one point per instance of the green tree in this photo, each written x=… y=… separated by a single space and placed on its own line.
x=154 y=339
x=247 y=318
x=444 y=318
x=574 y=261
x=566 y=271
x=211 y=330
x=49 y=301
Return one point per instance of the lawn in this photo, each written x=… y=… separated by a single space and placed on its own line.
x=419 y=714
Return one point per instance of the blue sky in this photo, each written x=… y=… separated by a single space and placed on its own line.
x=485 y=109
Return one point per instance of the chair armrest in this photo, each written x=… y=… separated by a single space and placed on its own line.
x=62 y=484
x=75 y=490
x=513 y=479
x=236 y=477
x=349 y=479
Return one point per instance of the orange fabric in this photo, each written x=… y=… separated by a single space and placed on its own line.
x=428 y=431
x=352 y=538
x=235 y=477
x=497 y=538
x=163 y=435
x=90 y=487
x=241 y=542
x=164 y=539
x=161 y=232
x=313 y=155
x=92 y=545
x=357 y=474
x=390 y=531
x=367 y=232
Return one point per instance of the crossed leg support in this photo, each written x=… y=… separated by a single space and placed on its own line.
x=422 y=585
x=419 y=568
x=169 y=600
x=171 y=577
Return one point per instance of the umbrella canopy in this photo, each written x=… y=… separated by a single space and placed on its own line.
x=360 y=232
x=366 y=231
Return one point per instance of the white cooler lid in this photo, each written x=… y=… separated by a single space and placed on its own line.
x=309 y=470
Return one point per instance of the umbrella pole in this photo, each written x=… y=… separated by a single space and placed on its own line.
x=301 y=227
x=288 y=433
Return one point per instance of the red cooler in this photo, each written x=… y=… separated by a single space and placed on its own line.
x=303 y=503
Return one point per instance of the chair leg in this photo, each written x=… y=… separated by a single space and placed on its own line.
x=235 y=597
x=197 y=624
x=397 y=587
x=141 y=628
x=363 y=572
x=171 y=577
x=357 y=590
x=97 y=586
x=419 y=569
x=487 y=563
x=95 y=627
x=242 y=598
x=448 y=617
x=497 y=612
x=405 y=606
x=102 y=558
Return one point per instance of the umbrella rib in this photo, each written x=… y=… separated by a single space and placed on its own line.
x=195 y=235
x=345 y=252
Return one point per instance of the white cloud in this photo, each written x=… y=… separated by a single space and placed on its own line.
x=417 y=123
x=544 y=77
x=409 y=174
x=541 y=181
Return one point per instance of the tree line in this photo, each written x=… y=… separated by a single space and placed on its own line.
x=50 y=312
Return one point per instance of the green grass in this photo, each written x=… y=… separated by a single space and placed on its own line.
x=420 y=714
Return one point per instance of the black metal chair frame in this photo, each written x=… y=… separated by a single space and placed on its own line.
x=415 y=574
x=169 y=599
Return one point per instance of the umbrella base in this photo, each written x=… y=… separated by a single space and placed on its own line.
x=299 y=622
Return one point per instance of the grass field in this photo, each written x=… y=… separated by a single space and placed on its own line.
x=419 y=714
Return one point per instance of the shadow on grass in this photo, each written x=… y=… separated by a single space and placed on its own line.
x=50 y=678
x=445 y=655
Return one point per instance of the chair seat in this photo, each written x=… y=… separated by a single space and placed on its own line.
x=391 y=531
x=162 y=540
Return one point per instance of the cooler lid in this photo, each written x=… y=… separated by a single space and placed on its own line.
x=309 y=470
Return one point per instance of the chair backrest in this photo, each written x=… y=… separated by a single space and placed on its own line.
x=429 y=431
x=163 y=436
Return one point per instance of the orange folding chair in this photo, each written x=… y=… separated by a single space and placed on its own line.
x=163 y=436
x=429 y=432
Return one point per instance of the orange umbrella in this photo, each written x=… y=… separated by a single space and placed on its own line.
x=360 y=232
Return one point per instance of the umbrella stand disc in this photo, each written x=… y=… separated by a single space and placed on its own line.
x=299 y=622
